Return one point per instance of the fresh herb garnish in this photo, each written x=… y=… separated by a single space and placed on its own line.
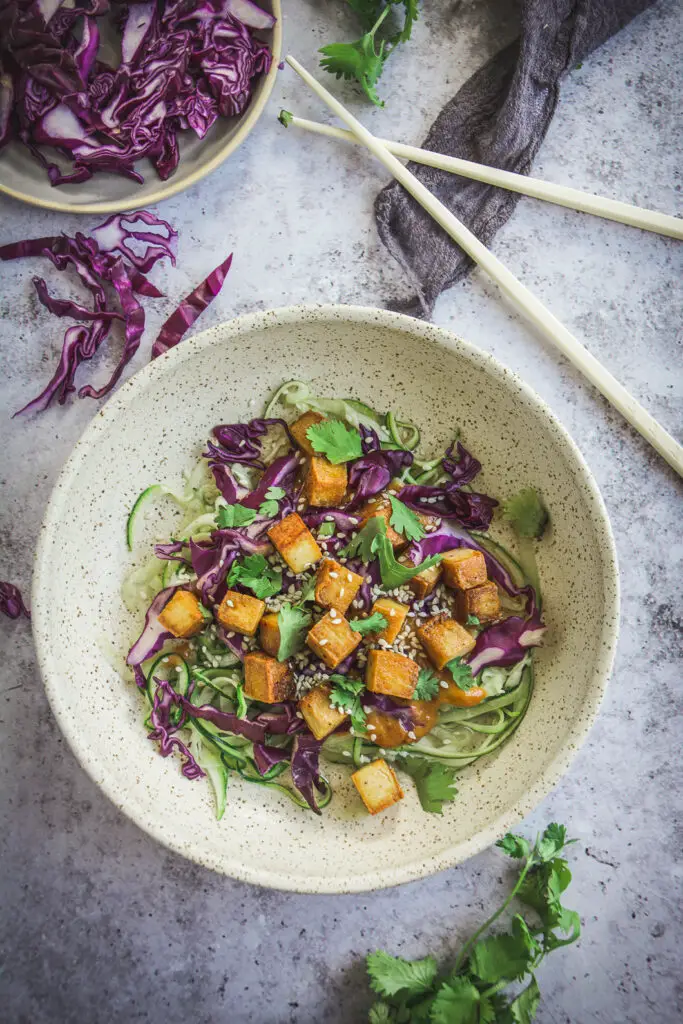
x=462 y=674
x=374 y=623
x=345 y=695
x=474 y=991
x=434 y=782
x=393 y=573
x=472 y=620
x=337 y=442
x=292 y=623
x=270 y=506
x=405 y=521
x=231 y=517
x=527 y=513
x=257 y=575
x=326 y=530
x=308 y=591
x=427 y=685
x=363 y=543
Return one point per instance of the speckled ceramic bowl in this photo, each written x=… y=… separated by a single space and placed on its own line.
x=22 y=177
x=155 y=427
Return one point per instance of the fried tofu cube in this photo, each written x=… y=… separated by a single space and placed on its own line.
x=377 y=785
x=325 y=483
x=444 y=639
x=391 y=673
x=463 y=568
x=332 y=639
x=424 y=582
x=299 y=428
x=395 y=614
x=336 y=586
x=294 y=541
x=382 y=507
x=269 y=634
x=267 y=679
x=183 y=615
x=483 y=601
x=319 y=715
x=240 y=612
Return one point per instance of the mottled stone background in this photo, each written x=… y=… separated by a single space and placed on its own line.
x=98 y=924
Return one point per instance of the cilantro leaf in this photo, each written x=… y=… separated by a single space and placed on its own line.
x=472 y=620
x=231 y=517
x=523 y=1008
x=308 y=591
x=394 y=574
x=337 y=442
x=359 y=60
x=363 y=543
x=270 y=506
x=257 y=575
x=499 y=957
x=373 y=624
x=405 y=521
x=390 y=975
x=292 y=623
x=514 y=846
x=434 y=782
x=381 y=1013
x=527 y=513
x=345 y=695
x=326 y=530
x=411 y=16
x=427 y=685
x=552 y=841
x=462 y=674
x=456 y=1002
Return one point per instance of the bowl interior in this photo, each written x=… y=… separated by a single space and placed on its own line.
x=154 y=429
x=23 y=178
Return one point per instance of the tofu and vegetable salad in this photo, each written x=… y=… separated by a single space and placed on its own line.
x=329 y=595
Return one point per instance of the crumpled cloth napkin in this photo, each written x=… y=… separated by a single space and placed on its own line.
x=499 y=117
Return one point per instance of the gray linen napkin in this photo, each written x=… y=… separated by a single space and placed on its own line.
x=499 y=117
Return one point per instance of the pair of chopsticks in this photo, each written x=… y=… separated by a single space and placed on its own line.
x=519 y=294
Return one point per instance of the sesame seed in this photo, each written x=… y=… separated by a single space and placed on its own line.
x=363 y=759
x=230 y=604
x=352 y=731
x=323 y=641
x=230 y=635
x=349 y=577
x=346 y=753
x=411 y=735
x=333 y=575
x=443 y=684
x=333 y=612
x=373 y=737
x=329 y=519
x=341 y=591
x=299 y=715
x=392 y=613
x=368 y=579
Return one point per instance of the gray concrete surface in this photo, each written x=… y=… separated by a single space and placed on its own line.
x=97 y=923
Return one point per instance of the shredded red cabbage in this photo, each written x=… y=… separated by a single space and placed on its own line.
x=305 y=771
x=387 y=706
x=11 y=602
x=506 y=643
x=165 y=698
x=183 y=64
x=153 y=635
x=192 y=306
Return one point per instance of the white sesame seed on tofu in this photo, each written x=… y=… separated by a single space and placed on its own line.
x=333 y=612
x=323 y=641
x=349 y=577
x=230 y=604
x=333 y=575
x=341 y=591
x=392 y=613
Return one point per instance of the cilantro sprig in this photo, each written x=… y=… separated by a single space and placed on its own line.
x=257 y=575
x=427 y=685
x=345 y=695
x=231 y=517
x=372 y=542
x=374 y=623
x=462 y=673
x=434 y=782
x=527 y=513
x=292 y=623
x=270 y=507
x=337 y=442
x=477 y=988
x=405 y=521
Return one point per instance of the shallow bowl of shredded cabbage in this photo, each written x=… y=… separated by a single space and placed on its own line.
x=325 y=599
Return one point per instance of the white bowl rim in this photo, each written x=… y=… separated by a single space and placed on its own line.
x=417 y=868
x=176 y=183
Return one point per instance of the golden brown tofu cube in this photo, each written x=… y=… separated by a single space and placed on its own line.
x=382 y=507
x=182 y=616
x=240 y=612
x=463 y=568
x=425 y=581
x=319 y=715
x=391 y=673
x=377 y=785
x=298 y=430
x=325 y=484
x=395 y=614
x=336 y=586
x=332 y=639
x=483 y=601
x=269 y=634
x=267 y=679
x=295 y=542
x=444 y=639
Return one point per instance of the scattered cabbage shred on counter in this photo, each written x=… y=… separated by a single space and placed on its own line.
x=174 y=67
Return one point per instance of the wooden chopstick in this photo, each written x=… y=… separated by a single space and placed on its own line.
x=561 y=195
x=520 y=295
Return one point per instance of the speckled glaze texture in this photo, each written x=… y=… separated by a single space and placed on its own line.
x=22 y=177
x=145 y=435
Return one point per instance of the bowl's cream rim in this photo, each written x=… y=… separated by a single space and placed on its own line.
x=175 y=184
x=419 y=868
